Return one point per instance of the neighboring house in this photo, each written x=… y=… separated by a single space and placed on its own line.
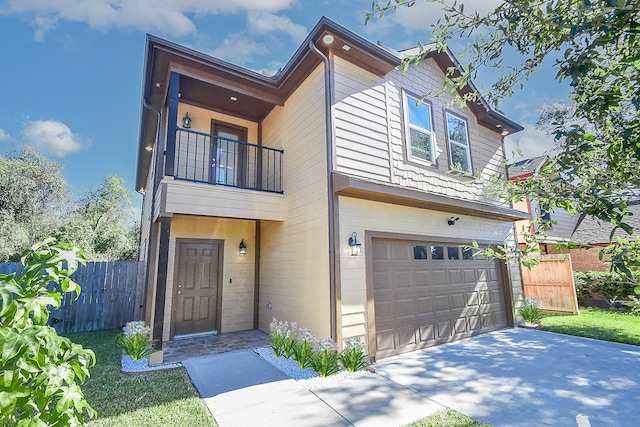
x=322 y=195
x=589 y=232
x=577 y=229
x=522 y=170
x=564 y=222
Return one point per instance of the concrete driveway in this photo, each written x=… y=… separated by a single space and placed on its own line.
x=511 y=377
x=518 y=377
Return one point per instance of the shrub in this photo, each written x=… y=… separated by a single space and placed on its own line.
x=137 y=345
x=353 y=357
x=303 y=347
x=135 y=340
x=605 y=284
x=283 y=337
x=530 y=311
x=325 y=358
x=41 y=370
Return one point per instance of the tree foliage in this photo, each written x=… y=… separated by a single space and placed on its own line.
x=34 y=203
x=102 y=222
x=32 y=196
x=41 y=370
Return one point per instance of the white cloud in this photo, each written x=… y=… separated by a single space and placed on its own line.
x=238 y=48
x=53 y=137
x=4 y=136
x=42 y=25
x=423 y=15
x=165 y=16
x=531 y=141
x=267 y=23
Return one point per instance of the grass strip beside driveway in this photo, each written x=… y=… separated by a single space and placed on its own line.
x=157 y=398
x=601 y=324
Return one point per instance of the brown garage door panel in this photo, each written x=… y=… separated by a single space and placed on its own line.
x=423 y=302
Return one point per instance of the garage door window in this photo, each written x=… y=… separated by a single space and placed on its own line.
x=467 y=253
x=419 y=252
x=452 y=253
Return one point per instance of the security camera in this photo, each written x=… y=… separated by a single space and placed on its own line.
x=452 y=220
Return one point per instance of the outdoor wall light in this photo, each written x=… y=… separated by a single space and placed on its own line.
x=186 y=121
x=356 y=247
x=452 y=220
x=243 y=248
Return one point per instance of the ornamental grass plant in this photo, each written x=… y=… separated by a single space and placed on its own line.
x=135 y=340
x=321 y=355
x=530 y=311
x=325 y=359
x=353 y=357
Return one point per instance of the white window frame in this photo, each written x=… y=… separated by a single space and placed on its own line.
x=451 y=142
x=408 y=97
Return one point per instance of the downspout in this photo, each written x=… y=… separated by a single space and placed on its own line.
x=329 y=135
x=146 y=105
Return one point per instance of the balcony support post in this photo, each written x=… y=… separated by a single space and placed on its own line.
x=172 y=127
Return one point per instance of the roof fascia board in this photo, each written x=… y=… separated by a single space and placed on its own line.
x=326 y=25
x=225 y=83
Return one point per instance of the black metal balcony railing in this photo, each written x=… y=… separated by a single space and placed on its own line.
x=201 y=157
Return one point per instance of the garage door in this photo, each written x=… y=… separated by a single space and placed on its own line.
x=429 y=293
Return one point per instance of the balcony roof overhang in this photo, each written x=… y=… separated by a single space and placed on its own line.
x=210 y=82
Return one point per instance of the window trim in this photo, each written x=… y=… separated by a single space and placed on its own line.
x=406 y=95
x=450 y=142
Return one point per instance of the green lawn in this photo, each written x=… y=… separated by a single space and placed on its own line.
x=447 y=417
x=164 y=398
x=601 y=324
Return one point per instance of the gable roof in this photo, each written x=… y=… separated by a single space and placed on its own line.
x=210 y=82
x=590 y=230
x=523 y=169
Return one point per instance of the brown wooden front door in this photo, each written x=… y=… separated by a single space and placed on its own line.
x=197 y=287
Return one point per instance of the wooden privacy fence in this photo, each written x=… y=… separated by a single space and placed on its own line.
x=551 y=283
x=112 y=294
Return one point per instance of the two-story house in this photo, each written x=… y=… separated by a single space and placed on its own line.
x=325 y=194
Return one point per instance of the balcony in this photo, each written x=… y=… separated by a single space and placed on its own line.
x=216 y=160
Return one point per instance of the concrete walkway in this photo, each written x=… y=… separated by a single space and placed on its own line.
x=512 y=377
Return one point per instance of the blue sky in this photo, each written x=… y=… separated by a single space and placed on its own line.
x=71 y=70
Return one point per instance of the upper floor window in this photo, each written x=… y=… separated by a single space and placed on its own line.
x=458 y=137
x=419 y=129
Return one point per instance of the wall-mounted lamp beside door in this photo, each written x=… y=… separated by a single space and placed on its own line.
x=243 y=248
x=186 y=121
x=355 y=245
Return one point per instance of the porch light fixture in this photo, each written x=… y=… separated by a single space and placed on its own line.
x=186 y=121
x=452 y=220
x=243 y=248
x=328 y=39
x=356 y=247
